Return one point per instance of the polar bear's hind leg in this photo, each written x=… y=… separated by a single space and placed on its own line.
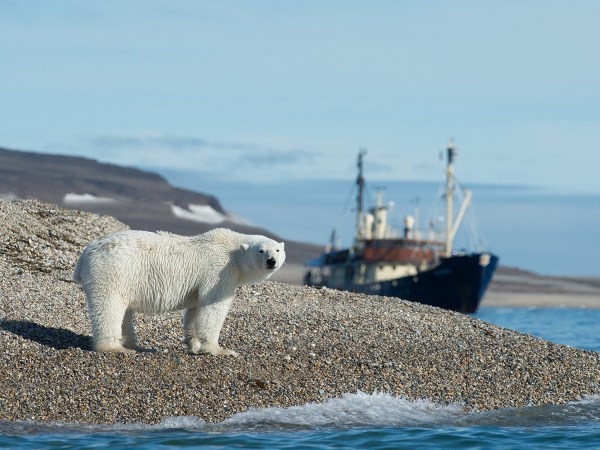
x=108 y=323
x=128 y=331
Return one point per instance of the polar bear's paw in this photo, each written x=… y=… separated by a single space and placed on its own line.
x=112 y=347
x=196 y=347
x=136 y=348
x=225 y=352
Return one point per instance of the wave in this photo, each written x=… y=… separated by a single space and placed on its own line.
x=383 y=410
x=359 y=410
x=348 y=411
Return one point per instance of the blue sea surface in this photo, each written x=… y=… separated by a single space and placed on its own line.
x=365 y=420
x=576 y=327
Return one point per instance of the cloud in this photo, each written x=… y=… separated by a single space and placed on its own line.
x=254 y=159
x=259 y=159
x=234 y=159
x=248 y=153
x=270 y=157
x=169 y=141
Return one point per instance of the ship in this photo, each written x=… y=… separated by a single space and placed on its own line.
x=402 y=264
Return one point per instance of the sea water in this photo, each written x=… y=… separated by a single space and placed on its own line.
x=365 y=420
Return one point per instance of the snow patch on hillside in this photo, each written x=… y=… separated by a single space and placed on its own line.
x=198 y=213
x=71 y=198
x=205 y=214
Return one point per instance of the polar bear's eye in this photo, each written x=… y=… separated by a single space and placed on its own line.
x=261 y=251
x=277 y=250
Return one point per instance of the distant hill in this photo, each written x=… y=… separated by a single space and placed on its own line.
x=143 y=200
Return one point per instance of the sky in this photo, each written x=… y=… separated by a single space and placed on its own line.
x=265 y=104
x=266 y=91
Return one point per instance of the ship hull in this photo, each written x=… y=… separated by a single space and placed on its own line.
x=457 y=283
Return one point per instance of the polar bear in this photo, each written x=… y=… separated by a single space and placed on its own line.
x=153 y=273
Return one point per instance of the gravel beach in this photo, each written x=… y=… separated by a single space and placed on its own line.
x=296 y=345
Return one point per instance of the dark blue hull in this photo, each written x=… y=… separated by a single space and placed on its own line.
x=457 y=283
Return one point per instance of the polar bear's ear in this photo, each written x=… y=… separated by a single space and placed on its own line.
x=282 y=244
x=245 y=247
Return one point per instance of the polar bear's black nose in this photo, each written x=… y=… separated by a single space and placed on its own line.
x=271 y=263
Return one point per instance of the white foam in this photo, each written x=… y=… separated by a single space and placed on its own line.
x=358 y=410
x=350 y=410
x=71 y=198
x=35 y=427
x=588 y=400
x=186 y=422
x=384 y=410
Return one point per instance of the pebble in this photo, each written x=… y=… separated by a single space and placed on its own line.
x=341 y=342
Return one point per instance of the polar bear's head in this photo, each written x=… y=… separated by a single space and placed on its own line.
x=263 y=255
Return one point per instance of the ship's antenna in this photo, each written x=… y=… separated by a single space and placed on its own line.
x=451 y=154
x=417 y=231
x=360 y=183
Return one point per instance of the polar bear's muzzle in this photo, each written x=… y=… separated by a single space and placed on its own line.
x=271 y=262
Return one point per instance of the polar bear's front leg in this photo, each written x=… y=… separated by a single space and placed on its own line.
x=202 y=325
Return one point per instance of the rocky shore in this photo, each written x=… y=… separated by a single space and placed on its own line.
x=296 y=345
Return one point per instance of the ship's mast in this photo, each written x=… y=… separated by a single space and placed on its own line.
x=360 y=184
x=451 y=153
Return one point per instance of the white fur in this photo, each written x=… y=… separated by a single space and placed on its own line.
x=154 y=273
